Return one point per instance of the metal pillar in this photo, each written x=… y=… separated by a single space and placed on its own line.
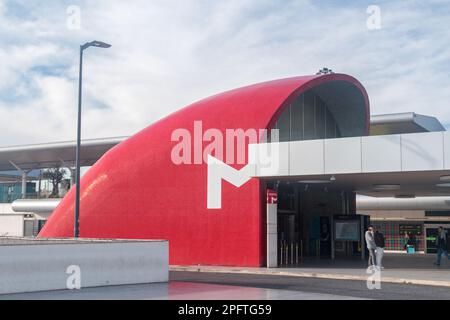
x=24 y=174
x=39 y=184
x=24 y=184
x=77 y=153
x=272 y=233
x=333 y=248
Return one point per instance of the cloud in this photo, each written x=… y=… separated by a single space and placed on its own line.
x=167 y=54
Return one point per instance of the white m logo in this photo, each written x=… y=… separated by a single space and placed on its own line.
x=217 y=170
x=263 y=160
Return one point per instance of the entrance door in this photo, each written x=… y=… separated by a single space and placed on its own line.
x=325 y=237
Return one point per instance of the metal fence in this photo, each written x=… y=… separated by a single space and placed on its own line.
x=290 y=254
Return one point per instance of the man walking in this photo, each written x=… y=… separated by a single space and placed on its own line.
x=441 y=245
x=380 y=244
x=371 y=246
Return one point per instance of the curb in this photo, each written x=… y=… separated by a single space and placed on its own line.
x=420 y=282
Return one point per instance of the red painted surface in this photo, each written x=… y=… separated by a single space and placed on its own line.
x=135 y=191
x=272 y=196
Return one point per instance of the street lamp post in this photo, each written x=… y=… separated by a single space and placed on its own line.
x=97 y=44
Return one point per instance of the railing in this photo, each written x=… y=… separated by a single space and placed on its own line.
x=290 y=253
x=10 y=198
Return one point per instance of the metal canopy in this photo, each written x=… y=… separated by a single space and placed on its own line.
x=48 y=155
x=408 y=122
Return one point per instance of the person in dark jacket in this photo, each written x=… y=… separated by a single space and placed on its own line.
x=380 y=244
x=441 y=245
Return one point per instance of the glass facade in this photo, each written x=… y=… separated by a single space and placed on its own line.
x=9 y=192
x=307 y=118
x=395 y=237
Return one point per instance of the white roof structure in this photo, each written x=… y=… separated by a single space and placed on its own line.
x=48 y=155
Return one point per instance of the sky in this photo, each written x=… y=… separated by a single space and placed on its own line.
x=168 y=54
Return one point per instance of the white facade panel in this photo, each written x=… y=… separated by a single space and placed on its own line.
x=343 y=155
x=422 y=151
x=446 y=150
x=272 y=159
x=370 y=154
x=381 y=153
x=44 y=266
x=11 y=225
x=307 y=157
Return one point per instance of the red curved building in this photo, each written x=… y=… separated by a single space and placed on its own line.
x=136 y=190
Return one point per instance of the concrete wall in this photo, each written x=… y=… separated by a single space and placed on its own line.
x=11 y=223
x=6 y=208
x=43 y=266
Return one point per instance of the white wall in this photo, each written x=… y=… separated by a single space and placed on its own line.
x=11 y=223
x=42 y=266
x=371 y=154
x=6 y=208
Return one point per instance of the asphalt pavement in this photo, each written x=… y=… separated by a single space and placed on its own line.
x=344 y=288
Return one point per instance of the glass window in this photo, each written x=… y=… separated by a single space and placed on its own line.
x=297 y=119
x=320 y=118
x=309 y=117
x=330 y=126
x=284 y=125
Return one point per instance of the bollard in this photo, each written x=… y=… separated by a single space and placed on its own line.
x=286 y=253
x=292 y=253
x=301 y=250
x=281 y=253
x=296 y=253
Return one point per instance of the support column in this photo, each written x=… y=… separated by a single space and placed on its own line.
x=272 y=232
x=24 y=184
x=24 y=174
x=39 y=184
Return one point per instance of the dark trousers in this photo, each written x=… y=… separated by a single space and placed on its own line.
x=440 y=252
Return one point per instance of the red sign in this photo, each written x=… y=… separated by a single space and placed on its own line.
x=272 y=196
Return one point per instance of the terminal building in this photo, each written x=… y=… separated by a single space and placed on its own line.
x=332 y=168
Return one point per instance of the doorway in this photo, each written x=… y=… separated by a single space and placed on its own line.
x=304 y=217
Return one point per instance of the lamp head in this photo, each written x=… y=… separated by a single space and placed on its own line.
x=98 y=44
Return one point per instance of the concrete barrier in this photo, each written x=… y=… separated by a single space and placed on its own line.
x=42 y=265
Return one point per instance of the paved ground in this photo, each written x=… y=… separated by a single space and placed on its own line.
x=312 y=286
x=226 y=286
x=399 y=268
x=313 y=279
x=176 y=290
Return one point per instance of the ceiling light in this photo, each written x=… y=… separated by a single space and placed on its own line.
x=405 y=196
x=386 y=187
x=314 y=181
x=443 y=185
x=445 y=178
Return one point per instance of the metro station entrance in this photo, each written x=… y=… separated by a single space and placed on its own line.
x=314 y=221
